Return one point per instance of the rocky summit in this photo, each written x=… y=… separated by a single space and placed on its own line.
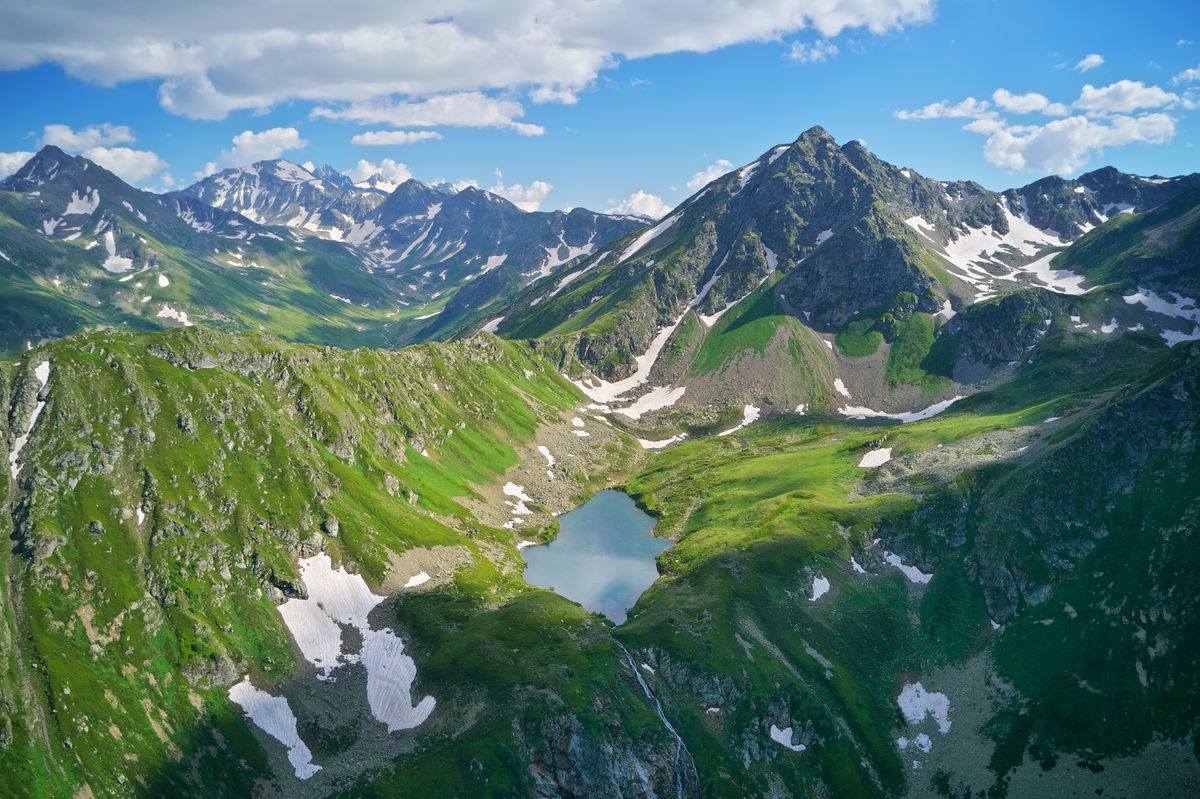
x=923 y=456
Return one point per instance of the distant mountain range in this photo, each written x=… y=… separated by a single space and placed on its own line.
x=271 y=247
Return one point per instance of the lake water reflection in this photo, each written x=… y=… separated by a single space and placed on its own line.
x=603 y=557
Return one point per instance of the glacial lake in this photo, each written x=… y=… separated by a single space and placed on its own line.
x=603 y=557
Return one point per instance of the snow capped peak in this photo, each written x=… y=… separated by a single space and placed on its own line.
x=286 y=170
x=378 y=183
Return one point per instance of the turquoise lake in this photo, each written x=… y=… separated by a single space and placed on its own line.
x=603 y=557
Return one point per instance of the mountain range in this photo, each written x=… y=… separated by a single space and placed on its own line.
x=925 y=455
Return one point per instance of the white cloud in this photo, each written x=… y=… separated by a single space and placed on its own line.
x=1123 y=97
x=91 y=136
x=554 y=94
x=969 y=107
x=641 y=203
x=247 y=55
x=1187 y=76
x=813 y=53
x=463 y=109
x=11 y=162
x=527 y=198
x=1090 y=61
x=309 y=165
x=709 y=174
x=394 y=137
x=1028 y=103
x=95 y=143
x=392 y=171
x=249 y=147
x=1064 y=145
x=132 y=166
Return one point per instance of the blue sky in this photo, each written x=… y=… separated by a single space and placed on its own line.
x=602 y=103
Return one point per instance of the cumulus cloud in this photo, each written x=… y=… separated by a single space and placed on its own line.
x=11 y=162
x=1187 y=76
x=249 y=147
x=527 y=198
x=391 y=137
x=246 y=55
x=1121 y=113
x=392 y=171
x=132 y=166
x=1065 y=145
x=1090 y=61
x=95 y=143
x=91 y=136
x=1028 y=103
x=969 y=107
x=813 y=53
x=641 y=203
x=463 y=109
x=1123 y=97
x=709 y=174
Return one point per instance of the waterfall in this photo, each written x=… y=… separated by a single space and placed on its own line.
x=680 y=747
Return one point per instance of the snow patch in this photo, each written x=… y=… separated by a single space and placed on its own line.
x=653 y=400
x=42 y=373
x=84 y=205
x=876 y=457
x=916 y=703
x=820 y=588
x=273 y=715
x=666 y=442
x=858 y=412
x=420 y=578
x=823 y=236
x=336 y=597
x=750 y=414
x=784 y=738
x=647 y=237
x=840 y=388
x=167 y=312
x=163 y=281
x=913 y=574
x=492 y=326
x=546 y=454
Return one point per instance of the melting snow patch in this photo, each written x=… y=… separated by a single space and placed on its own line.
x=840 y=387
x=163 y=281
x=653 y=400
x=42 y=373
x=577 y=422
x=666 y=442
x=336 y=597
x=492 y=326
x=916 y=703
x=167 y=312
x=1050 y=419
x=856 y=567
x=876 y=457
x=820 y=588
x=913 y=574
x=274 y=716
x=603 y=391
x=907 y=416
x=84 y=205
x=922 y=742
x=417 y=579
x=784 y=738
x=546 y=454
x=749 y=415
x=802 y=408
x=523 y=544
x=824 y=236
x=642 y=240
